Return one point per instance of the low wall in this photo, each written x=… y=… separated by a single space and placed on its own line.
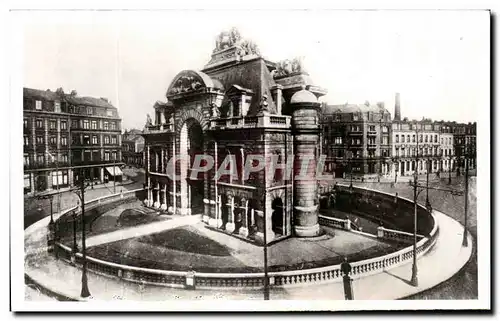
x=93 y=209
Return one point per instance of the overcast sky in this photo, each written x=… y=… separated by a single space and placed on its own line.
x=438 y=61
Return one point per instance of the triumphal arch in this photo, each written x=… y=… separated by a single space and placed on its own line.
x=224 y=119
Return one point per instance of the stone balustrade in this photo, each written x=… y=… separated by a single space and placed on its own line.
x=192 y=279
x=261 y=121
x=394 y=235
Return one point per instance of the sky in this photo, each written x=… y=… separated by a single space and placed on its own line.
x=437 y=60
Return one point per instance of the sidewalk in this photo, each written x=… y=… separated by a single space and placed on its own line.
x=445 y=259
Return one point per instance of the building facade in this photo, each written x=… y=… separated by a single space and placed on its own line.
x=133 y=148
x=356 y=140
x=64 y=132
x=417 y=147
x=238 y=106
x=464 y=141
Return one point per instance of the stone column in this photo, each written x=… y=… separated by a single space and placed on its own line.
x=305 y=131
x=163 y=205
x=230 y=218
x=157 y=192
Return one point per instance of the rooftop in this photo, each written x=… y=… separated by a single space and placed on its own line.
x=49 y=95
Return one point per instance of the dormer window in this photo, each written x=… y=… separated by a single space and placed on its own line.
x=240 y=100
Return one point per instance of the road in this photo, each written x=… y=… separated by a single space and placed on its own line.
x=36 y=209
x=463 y=285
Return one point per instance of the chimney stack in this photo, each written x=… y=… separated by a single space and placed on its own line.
x=397 y=108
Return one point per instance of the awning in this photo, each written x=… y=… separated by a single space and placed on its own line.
x=114 y=171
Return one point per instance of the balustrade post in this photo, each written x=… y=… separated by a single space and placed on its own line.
x=380 y=232
x=348 y=225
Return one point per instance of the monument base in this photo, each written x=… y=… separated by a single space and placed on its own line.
x=307 y=231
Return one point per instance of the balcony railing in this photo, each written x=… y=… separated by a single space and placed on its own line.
x=273 y=121
x=159 y=128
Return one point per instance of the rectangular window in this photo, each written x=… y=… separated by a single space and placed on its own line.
x=420 y=138
x=94 y=140
x=355 y=117
x=338 y=140
x=25 y=123
x=39 y=159
x=106 y=156
x=113 y=125
x=64 y=158
x=397 y=152
x=38 y=105
x=385 y=140
x=39 y=123
x=57 y=106
x=113 y=140
x=105 y=125
x=85 y=124
x=385 y=129
x=26 y=160
x=64 y=125
x=64 y=141
x=86 y=140
x=106 y=139
x=94 y=124
x=371 y=141
x=402 y=138
x=435 y=138
x=53 y=140
x=53 y=124
x=109 y=112
x=74 y=124
x=114 y=156
x=26 y=140
x=413 y=139
x=426 y=138
x=40 y=140
x=89 y=111
x=27 y=183
x=371 y=128
x=397 y=138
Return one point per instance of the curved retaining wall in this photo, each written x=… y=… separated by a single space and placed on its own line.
x=380 y=207
x=328 y=274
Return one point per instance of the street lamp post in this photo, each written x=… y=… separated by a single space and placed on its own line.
x=266 y=277
x=449 y=170
x=75 y=246
x=80 y=192
x=427 y=202
x=464 y=241
x=414 y=271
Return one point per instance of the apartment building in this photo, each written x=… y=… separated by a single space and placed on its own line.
x=64 y=132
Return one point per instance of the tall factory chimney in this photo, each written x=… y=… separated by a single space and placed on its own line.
x=397 y=108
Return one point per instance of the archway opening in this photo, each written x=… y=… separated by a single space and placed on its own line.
x=277 y=216
x=191 y=144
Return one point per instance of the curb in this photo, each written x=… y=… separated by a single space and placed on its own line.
x=47 y=291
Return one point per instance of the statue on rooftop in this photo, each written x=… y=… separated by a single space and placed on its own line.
x=148 y=120
x=249 y=48
x=264 y=106
x=227 y=39
x=288 y=67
